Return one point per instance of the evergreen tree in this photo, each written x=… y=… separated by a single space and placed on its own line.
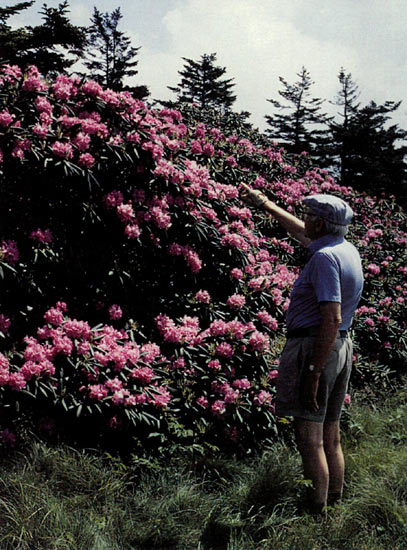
x=299 y=126
x=346 y=99
x=41 y=45
x=202 y=84
x=374 y=162
x=110 y=57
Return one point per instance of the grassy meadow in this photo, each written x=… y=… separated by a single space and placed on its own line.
x=59 y=498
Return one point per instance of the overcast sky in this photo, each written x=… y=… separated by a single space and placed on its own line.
x=259 y=40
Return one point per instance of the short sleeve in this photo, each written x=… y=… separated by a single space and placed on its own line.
x=325 y=278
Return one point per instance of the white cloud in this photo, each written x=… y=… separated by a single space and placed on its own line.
x=255 y=43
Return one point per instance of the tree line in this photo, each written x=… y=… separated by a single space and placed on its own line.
x=360 y=147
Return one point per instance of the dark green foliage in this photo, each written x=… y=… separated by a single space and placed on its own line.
x=373 y=160
x=41 y=45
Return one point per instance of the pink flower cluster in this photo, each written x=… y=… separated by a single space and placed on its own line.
x=9 y=252
x=191 y=256
x=112 y=353
x=4 y=323
x=187 y=331
x=42 y=236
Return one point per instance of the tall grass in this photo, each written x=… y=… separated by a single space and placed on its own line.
x=59 y=498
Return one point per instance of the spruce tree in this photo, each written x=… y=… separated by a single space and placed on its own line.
x=346 y=99
x=298 y=124
x=375 y=160
x=201 y=84
x=110 y=57
x=41 y=45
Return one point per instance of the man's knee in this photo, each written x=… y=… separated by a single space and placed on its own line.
x=309 y=437
x=331 y=437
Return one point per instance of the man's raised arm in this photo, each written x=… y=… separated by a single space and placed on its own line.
x=291 y=224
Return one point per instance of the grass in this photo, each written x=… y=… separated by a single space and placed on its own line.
x=59 y=498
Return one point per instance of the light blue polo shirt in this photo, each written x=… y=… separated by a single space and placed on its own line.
x=332 y=274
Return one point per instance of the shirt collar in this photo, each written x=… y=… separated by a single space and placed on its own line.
x=326 y=240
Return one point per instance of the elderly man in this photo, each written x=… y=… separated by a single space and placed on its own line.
x=315 y=364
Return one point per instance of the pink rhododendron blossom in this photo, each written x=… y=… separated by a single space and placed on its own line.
x=237 y=273
x=218 y=328
x=150 y=352
x=161 y=398
x=4 y=364
x=77 y=329
x=196 y=147
x=231 y=396
x=224 y=349
x=86 y=160
x=119 y=397
x=203 y=402
x=133 y=231
x=231 y=161
x=62 y=345
x=218 y=407
x=33 y=83
x=17 y=381
x=242 y=384
x=6 y=118
x=208 y=150
x=92 y=88
x=42 y=236
x=374 y=269
x=82 y=141
x=115 y=312
x=83 y=348
x=203 y=296
x=98 y=391
x=263 y=397
x=273 y=374
x=236 y=301
x=264 y=317
x=347 y=400
x=43 y=105
x=31 y=369
x=65 y=87
x=237 y=329
x=259 y=341
x=113 y=199
x=9 y=251
x=61 y=149
x=125 y=212
x=41 y=130
x=144 y=375
x=4 y=325
x=54 y=316
x=179 y=363
x=214 y=364
x=115 y=384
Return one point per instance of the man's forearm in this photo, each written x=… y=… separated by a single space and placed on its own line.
x=328 y=332
x=324 y=344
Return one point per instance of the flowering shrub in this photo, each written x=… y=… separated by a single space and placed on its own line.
x=163 y=293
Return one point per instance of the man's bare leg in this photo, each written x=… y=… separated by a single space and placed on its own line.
x=335 y=459
x=310 y=442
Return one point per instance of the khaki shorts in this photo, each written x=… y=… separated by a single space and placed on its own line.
x=333 y=382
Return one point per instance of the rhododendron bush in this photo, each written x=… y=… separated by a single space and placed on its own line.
x=139 y=293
